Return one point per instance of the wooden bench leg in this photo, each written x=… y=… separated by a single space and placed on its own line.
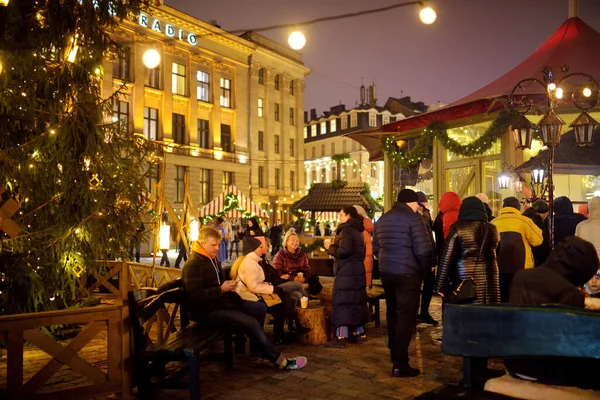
x=194 y=375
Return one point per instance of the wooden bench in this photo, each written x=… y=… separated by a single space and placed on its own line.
x=375 y=295
x=188 y=344
x=477 y=333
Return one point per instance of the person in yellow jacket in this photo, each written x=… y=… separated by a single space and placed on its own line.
x=518 y=234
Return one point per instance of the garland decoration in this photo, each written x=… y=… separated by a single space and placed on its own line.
x=340 y=157
x=438 y=130
x=309 y=248
x=231 y=203
x=339 y=184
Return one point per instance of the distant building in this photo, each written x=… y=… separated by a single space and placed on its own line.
x=324 y=137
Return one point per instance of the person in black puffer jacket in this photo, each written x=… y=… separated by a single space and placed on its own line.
x=565 y=219
x=406 y=254
x=350 y=310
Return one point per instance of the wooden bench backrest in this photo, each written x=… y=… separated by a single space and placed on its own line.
x=513 y=331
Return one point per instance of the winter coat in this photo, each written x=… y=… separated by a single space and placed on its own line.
x=517 y=235
x=252 y=278
x=369 y=228
x=275 y=235
x=569 y=266
x=540 y=253
x=402 y=242
x=286 y=262
x=349 y=298
x=449 y=205
x=565 y=219
x=467 y=255
x=254 y=230
x=438 y=230
x=426 y=215
x=202 y=278
x=590 y=229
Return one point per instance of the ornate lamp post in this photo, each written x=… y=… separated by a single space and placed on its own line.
x=585 y=96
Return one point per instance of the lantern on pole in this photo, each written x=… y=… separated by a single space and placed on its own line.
x=583 y=127
x=523 y=132
x=537 y=176
x=551 y=127
x=504 y=180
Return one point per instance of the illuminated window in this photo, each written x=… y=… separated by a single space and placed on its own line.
x=225 y=92
x=323 y=128
x=333 y=125
x=313 y=130
x=178 y=76
x=386 y=119
x=344 y=122
x=150 y=123
x=203 y=88
x=372 y=119
x=261 y=110
x=353 y=120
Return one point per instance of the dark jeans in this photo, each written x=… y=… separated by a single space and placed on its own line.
x=137 y=251
x=428 y=284
x=182 y=255
x=165 y=259
x=402 y=293
x=505 y=280
x=257 y=310
x=249 y=325
x=237 y=249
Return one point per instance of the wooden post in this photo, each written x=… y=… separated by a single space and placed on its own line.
x=15 y=363
x=312 y=317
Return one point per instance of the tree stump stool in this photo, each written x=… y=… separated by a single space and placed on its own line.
x=312 y=317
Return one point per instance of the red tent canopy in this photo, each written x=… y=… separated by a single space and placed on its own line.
x=575 y=44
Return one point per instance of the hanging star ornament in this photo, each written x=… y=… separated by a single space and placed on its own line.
x=95 y=182
x=8 y=207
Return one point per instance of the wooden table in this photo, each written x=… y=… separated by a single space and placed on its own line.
x=313 y=317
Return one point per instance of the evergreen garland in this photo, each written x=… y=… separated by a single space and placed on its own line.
x=309 y=248
x=340 y=157
x=438 y=130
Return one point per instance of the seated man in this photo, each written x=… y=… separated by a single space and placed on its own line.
x=557 y=281
x=213 y=301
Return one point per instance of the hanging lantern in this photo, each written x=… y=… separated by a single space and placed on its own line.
x=504 y=180
x=551 y=126
x=164 y=237
x=194 y=230
x=537 y=175
x=523 y=131
x=583 y=127
x=518 y=185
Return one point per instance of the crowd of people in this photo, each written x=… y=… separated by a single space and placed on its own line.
x=480 y=259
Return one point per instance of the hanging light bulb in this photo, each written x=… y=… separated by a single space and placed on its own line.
x=194 y=230
x=559 y=93
x=164 y=237
x=427 y=15
x=587 y=92
x=552 y=86
x=297 y=40
x=504 y=180
x=151 y=58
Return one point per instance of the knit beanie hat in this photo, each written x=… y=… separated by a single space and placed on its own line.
x=407 y=196
x=250 y=244
x=511 y=202
x=422 y=197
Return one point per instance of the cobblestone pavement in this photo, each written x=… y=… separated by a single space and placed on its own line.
x=361 y=371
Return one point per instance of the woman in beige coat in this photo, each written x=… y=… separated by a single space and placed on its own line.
x=368 y=224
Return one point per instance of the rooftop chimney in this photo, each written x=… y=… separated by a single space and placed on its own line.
x=573 y=8
x=313 y=114
x=363 y=95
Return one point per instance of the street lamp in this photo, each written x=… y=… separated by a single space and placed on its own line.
x=151 y=58
x=584 y=126
x=523 y=132
x=537 y=175
x=504 y=180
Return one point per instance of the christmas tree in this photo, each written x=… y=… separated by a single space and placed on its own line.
x=70 y=176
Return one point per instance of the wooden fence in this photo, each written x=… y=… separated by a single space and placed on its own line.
x=17 y=330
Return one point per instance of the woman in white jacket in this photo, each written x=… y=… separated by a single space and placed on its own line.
x=590 y=231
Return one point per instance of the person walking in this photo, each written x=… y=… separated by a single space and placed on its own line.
x=349 y=311
x=404 y=249
x=429 y=280
x=229 y=233
x=470 y=252
x=518 y=234
x=275 y=235
x=235 y=240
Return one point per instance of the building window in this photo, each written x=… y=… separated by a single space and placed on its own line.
x=322 y=150
x=277 y=180
x=261 y=76
x=225 y=92
x=261 y=108
x=305 y=132
x=226 y=144
x=332 y=148
x=313 y=152
x=372 y=119
x=344 y=146
x=292 y=115
x=261 y=141
x=313 y=130
x=203 y=90
x=179 y=184
x=121 y=112
x=204 y=186
x=353 y=120
x=276 y=111
x=292 y=91
x=261 y=177
x=153 y=176
x=150 y=123
x=276 y=144
x=292 y=180
x=227 y=179
x=121 y=63
x=323 y=128
x=373 y=171
x=292 y=147
x=152 y=77
x=277 y=78
x=203 y=133
x=179 y=128
x=385 y=119
x=178 y=78
x=344 y=122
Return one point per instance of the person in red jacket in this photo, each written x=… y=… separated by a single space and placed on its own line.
x=449 y=205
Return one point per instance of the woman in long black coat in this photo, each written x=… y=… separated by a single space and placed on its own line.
x=350 y=311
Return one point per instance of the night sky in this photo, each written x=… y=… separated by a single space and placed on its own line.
x=472 y=42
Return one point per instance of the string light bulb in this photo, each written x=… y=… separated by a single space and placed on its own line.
x=559 y=93
x=587 y=92
x=427 y=15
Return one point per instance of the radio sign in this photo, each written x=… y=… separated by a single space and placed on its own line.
x=167 y=29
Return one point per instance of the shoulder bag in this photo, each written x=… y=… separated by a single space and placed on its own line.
x=270 y=300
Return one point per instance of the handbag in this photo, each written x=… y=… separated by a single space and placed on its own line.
x=466 y=292
x=270 y=300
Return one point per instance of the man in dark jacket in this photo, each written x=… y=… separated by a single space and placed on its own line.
x=538 y=213
x=565 y=219
x=215 y=303
x=569 y=266
x=404 y=250
x=429 y=280
x=275 y=235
